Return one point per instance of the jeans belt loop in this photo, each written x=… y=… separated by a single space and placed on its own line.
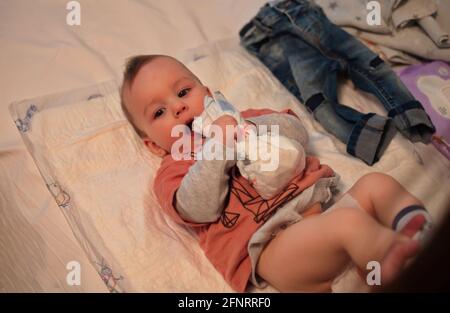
x=247 y=29
x=261 y=25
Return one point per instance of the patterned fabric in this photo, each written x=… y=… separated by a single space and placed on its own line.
x=430 y=84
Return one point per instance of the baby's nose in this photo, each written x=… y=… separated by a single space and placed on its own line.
x=180 y=108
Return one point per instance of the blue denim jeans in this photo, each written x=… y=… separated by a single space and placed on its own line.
x=306 y=52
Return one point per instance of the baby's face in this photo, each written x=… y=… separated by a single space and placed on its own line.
x=164 y=94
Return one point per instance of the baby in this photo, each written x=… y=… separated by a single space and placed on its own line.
x=289 y=240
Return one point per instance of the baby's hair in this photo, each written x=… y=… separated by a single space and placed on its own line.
x=132 y=67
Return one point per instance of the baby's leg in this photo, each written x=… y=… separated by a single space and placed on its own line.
x=386 y=199
x=308 y=255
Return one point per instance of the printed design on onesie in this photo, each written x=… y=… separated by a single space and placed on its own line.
x=261 y=208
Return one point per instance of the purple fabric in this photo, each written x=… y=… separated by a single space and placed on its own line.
x=410 y=77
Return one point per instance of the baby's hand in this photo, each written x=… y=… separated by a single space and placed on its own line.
x=222 y=122
x=225 y=120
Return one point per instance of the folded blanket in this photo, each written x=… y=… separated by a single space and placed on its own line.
x=435 y=32
x=416 y=27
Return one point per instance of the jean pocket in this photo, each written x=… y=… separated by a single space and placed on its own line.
x=302 y=15
x=252 y=34
x=293 y=8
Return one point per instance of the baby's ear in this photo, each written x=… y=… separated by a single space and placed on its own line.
x=154 y=148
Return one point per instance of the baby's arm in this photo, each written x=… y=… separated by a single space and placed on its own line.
x=289 y=126
x=203 y=191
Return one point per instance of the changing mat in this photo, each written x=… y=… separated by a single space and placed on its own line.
x=100 y=175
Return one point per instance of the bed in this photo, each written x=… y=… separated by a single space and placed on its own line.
x=75 y=181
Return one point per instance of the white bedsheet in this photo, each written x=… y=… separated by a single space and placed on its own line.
x=101 y=176
x=42 y=55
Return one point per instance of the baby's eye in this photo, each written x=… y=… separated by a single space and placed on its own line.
x=183 y=92
x=158 y=113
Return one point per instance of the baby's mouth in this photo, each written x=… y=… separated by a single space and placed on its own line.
x=189 y=124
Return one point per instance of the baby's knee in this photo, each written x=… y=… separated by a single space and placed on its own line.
x=375 y=178
x=377 y=181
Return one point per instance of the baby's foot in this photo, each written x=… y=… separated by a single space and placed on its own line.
x=417 y=228
x=397 y=256
x=414 y=222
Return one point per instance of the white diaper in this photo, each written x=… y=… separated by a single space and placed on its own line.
x=267 y=160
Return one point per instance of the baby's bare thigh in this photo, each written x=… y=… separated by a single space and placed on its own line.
x=306 y=256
